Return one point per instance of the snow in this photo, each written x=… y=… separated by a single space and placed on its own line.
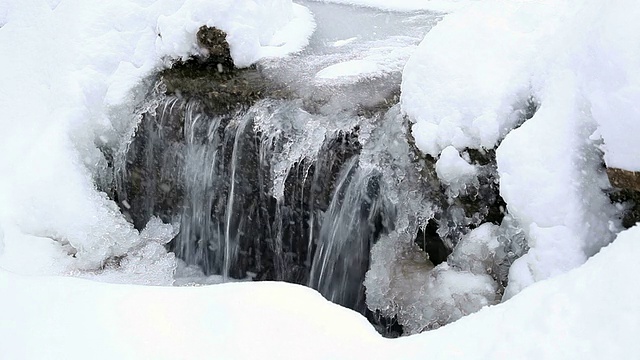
x=555 y=191
x=588 y=313
x=255 y=28
x=470 y=82
x=465 y=87
x=74 y=76
x=452 y=169
x=74 y=70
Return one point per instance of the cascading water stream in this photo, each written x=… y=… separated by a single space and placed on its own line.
x=346 y=236
x=321 y=187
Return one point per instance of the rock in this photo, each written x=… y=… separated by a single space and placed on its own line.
x=624 y=179
x=214 y=80
x=214 y=44
x=627 y=193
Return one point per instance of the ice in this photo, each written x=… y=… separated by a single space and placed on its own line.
x=404 y=283
x=352 y=46
x=148 y=263
x=291 y=135
x=469 y=89
x=56 y=110
x=476 y=251
x=382 y=58
x=407 y=5
x=192 y=275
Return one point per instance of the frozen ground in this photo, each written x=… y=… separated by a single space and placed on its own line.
x=406 y=5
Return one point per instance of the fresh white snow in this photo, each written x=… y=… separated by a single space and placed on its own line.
x=588 y=313
x=470 y=83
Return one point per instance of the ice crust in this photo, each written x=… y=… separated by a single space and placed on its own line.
x=407 y=5
x=454 y=171
x=70 y=87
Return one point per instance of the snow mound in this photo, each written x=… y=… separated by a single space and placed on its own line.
x=474 y=78
x=465 y=87
x=255 y=28
x=589 y=313
x=555 y=191
x=70 y=87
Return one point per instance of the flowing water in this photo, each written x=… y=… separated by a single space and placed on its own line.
x=296 y=188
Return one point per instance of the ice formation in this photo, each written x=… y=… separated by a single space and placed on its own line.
x=470 y=95
x=56 y=113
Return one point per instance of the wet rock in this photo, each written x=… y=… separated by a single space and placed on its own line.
x=214 y=80
x=213 y=43
x=626 y=192
x=624 y=179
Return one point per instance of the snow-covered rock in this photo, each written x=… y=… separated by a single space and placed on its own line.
x=468 y=86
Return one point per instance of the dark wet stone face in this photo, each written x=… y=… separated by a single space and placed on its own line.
x=214 y=80
x=627 y=191
x=214 y=42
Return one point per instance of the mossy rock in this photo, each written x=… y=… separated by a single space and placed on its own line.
x=215 y=80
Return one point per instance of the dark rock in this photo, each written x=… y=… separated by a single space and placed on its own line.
x=624 y=179
x=214 y=43
x=215 y=81
x=627 y=192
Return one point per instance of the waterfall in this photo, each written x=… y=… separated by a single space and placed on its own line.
x=319 y=184
x=262 y=192
x=347 y=233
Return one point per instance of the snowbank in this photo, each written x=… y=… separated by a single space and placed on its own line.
x=589 y=313
x=470 y=76
x=477 y=73
x=73 y=71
